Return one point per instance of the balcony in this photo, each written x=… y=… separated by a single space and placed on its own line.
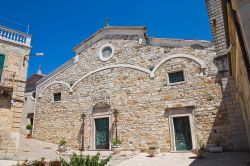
x=13 y=36
x=7 y=79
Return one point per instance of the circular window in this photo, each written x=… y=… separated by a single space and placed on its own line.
x=106 y=52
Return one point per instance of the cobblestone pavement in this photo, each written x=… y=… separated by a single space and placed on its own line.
x=33 y=149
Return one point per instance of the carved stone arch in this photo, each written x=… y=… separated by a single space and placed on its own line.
x=54 y=82
x=199 y=61
x=109 y=67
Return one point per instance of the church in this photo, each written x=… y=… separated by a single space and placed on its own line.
x=123 y=83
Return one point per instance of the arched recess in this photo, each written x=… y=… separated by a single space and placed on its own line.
x=109 y=67
x=54 y=82
x=199 y=61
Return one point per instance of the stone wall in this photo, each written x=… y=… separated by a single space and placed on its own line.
x=10 y=114
x=143 y=102
x=235 y=84
x=215 y=12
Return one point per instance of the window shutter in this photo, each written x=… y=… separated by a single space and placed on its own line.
x=1 y=65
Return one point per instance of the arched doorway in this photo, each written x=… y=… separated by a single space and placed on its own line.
x=101 y=122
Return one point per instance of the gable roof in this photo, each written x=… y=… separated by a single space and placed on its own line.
x=110 y=31
x=129 y=33
x=137 y=33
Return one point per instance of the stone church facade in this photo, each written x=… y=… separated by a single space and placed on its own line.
x=166 y=91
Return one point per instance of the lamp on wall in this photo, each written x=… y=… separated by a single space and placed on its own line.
x=83 y=118
x=25 y=58
x=116 y=116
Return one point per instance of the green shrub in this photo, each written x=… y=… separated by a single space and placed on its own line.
x=62 y=142
x=81 y=160
x=29 y=127
x=117 y=141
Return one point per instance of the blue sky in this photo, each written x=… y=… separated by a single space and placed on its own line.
x=57 y=26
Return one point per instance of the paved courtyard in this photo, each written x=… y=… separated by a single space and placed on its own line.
x=187 y=159
x=33 y=149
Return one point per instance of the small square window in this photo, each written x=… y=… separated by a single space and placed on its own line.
x=57 y=96
x=176 y=77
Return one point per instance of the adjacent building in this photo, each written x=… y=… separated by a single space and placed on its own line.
x=144 y=90
x=230 y=22
x=14 y=54
x=29 y=100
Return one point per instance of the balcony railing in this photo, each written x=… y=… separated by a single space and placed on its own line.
x=14 y=36
x=7 y=79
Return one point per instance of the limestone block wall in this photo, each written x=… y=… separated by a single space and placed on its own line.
x=143 y=102
x=225 y=36
x=10 y=115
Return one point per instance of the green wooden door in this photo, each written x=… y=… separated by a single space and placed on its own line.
x=102 y=133
x=183 y=140
x=1 y=65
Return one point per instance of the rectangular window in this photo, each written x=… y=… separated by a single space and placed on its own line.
x=1 y=65
x=176 y=77
x=57 y=96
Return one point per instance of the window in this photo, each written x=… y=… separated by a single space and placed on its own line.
x=106 y=52
x=1 y=65
x=57 y=96
x=176 y=77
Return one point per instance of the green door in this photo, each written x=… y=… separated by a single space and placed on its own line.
x=183 y=140
x=1 y=65
x=102 y=133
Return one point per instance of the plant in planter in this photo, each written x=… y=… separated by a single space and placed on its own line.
x=218 y=145
x=116 y=145
x=29 y=130
x=62 y=146
x=200 y=151
x=153 y=149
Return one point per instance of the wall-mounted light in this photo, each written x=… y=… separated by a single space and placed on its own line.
x=25 y=58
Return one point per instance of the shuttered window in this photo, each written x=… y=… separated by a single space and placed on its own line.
x=1 y=65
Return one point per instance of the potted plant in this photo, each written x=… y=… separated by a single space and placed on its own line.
x=62 y=146
x=116 y=145
x=153 y=149
x=200 y=151
x=218 y=145
x=29 y=130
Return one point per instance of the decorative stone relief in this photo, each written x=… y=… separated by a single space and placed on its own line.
x=101 y=96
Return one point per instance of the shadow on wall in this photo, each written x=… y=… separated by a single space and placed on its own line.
x=228 y=130
x=80 y=134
